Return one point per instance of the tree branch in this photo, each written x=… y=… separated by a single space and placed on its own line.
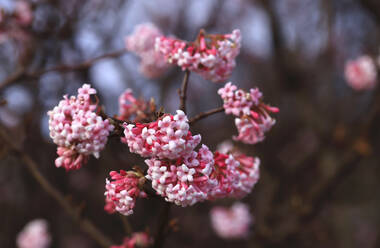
x=205 y=114
x=73 y=211
x=162 y=223
x=182 y=92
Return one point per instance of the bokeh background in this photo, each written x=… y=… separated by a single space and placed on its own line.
x=320 y=166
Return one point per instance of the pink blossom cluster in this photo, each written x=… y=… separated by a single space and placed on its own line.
x=184 y=181
x=361 y=73
x=137 y=240
x=252 y=116
x=129 y=106
x=167 y=138
x=236 y=175
x=122 y=191
x=141 y=42
x=77 y=129
x=34 y=235
x=211 y=56
x=231 y=223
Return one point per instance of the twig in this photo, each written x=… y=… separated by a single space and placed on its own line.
x=205 y=114
x=182 y=92
x=161 y=227
x=22 y=73
x=73 y=211
x=127 y=226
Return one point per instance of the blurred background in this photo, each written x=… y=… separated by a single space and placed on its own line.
x=319 y=165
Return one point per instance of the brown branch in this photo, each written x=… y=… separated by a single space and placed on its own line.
x=182 y=92
x=161 y=227
x=22 y=73
x=205 y=114
x=73 y=211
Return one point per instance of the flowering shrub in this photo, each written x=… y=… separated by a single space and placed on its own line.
x=177 y=169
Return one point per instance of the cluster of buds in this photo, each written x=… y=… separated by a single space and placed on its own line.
x=131 y=108
x=252 y=115
x=137 y=240
x=361 y=73
x=211 y=56
x=34 y=235
x=122 y=191
x=169 y=137
x=141 y=42
x=77 y=129
x=231 y=223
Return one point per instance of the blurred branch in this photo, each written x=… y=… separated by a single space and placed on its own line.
x=161 y=227
x=183 y=90
x=205 y=114
x=73 y=211
x=22 y=73
x=372 y=7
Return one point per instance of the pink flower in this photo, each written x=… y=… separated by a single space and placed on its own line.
x=122 y=191
x=23 y=13
x=361 y=73
x=77 y=129
x=211 y=56
x=184 y=181
x=231 y=223
x=34 y=235
x=253 y=119
x=141 y=42
x=138 y=239
x=169 y=137
x=129 y=106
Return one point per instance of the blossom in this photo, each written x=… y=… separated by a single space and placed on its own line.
x=23 y=12
x=34 y=235
x=236 y=174
x=77 y=129
x=184 y=181
x=138 y=239
x=142 y=42
x=252 y=115
x=231 y=223
x=361 y=73
x=122 y=191
x=169 y=137
x=211 y=56
x=129 y=106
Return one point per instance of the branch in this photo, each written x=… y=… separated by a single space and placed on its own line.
x=73 y=211
x=162 y=223
x=182 y=92
x=205 y=114
x=21 y=73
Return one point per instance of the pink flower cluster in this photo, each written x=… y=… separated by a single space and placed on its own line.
x=361 y=73
x=211 y=56
x=236 y=174
x=137 y=240
x=169 y=137
x=141 y=41
x=231 y=223
x=34 y=235
x=77 y=129
x=129 y=106
x=184 y=181
x=122 y=191
x=252 y=116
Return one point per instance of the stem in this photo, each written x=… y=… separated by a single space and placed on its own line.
x=182 y=92
x=205 y=114
x=73 y=211
x=127 y=226
x=162 y=223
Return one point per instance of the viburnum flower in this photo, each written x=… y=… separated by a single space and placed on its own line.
x=211 y=56
x=122 y=191
x=361 y=73
x=77 y=129
x=129 y=106
x=184 y=181
x=168 y=137
x=34 y=235
x=231 y=223
x=142 y=42
x=236 y=174
x=253 y=119
x=137 y=240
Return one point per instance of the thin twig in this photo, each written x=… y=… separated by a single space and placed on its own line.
x=205 y=114
x=161 y=227
x=22 y=73
x=182 y=93
x=73 y=211
x=127 y=226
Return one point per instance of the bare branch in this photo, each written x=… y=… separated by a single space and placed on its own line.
x=205 y=114
x=182 y=93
